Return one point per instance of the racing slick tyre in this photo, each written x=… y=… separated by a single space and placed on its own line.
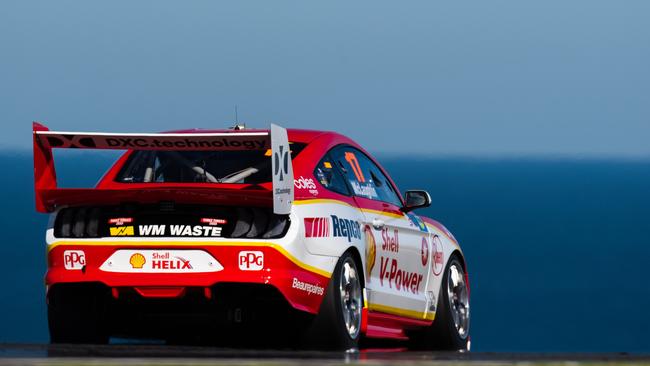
x=76 y=314
x=450 y=328
x=338 y=323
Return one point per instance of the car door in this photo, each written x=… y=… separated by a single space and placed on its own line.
x=396 y=258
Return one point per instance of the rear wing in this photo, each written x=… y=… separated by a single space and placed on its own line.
x=276 y=139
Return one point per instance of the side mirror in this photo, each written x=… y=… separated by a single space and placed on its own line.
x=416 y=199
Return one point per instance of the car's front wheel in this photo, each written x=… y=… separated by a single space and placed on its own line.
x=338 y=323
x=450 y=328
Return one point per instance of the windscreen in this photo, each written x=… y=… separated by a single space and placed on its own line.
x=246 y=166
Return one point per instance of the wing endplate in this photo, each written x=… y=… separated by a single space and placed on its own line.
x=282 y=169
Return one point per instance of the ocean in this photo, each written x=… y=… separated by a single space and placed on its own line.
x=557 y=249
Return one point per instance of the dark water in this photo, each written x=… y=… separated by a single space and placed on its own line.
x=558 y=251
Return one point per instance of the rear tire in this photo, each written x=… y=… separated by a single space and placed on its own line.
x=450 y=328
x=338 y=323
x=76 y=314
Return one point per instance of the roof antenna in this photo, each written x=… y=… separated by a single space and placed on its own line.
x=238 y=126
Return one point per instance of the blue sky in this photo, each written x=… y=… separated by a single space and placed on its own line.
x=473 y=78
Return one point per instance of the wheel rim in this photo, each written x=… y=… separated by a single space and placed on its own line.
x=350 y=288
x=458 y=299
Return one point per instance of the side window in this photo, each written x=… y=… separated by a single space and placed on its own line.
x=365 y=178
x=329 y=177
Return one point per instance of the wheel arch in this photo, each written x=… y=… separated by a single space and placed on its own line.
x=354 y=251
x=463 y=262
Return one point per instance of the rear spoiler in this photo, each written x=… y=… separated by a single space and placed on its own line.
x=276 y=138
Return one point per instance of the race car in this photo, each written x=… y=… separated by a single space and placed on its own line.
x=216 y=234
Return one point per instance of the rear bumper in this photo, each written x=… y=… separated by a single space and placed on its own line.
x=302 y=286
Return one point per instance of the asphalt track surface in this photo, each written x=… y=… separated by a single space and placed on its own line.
x=126 y=355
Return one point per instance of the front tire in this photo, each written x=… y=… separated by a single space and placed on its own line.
x=450 y=328
x=338 y=323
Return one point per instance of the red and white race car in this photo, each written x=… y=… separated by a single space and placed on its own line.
x=218 y=233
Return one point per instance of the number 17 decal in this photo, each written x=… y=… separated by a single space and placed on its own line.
x=356 y=168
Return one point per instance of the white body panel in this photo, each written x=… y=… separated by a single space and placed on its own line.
x=319 y=249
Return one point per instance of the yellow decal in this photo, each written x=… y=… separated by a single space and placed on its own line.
x=327 y=164
x=122 y=231
x=371 y=251
x=137 y=260
x=429 y=315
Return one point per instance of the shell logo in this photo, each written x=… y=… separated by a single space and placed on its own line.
x=371 y=251
x=137 y=260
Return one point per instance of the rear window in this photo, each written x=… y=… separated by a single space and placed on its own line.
x=249 y=166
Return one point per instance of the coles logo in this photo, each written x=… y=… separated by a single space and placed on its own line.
x=438 y=256
x=74 y=259
x=251 y=260
x=304 y=183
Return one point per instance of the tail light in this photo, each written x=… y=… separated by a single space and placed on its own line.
x=77 y=222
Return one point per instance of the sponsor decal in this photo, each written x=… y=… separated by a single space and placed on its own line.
x=345 y=228
x=371 y=251
x=415 y=220
x=166 y=261
x=74 y=259
x=151 y=230
x=196 y=230
x=251 y=260
x=160 y=261
x=425 y=251
x=399 y=278
x=121 y=231
x=137 y=260
x=213 y=222
x=438 y=260
x=306 y=183
x=119 y=221
x=185 y=143
x=210 y=230
x=281 y=163
x=155 y=143
x=354 y=164
x=317 y=227
x=390 y=243
x=364 y=190
x=282 y=190
x=307 y=287
x=321 y=227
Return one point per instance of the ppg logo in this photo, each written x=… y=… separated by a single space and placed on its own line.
x=281 y=163
x=251 y=261
x=74 y=259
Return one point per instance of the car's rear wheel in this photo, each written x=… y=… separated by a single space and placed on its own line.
x=338 y=323
x=76 y=314
x=450 y=328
